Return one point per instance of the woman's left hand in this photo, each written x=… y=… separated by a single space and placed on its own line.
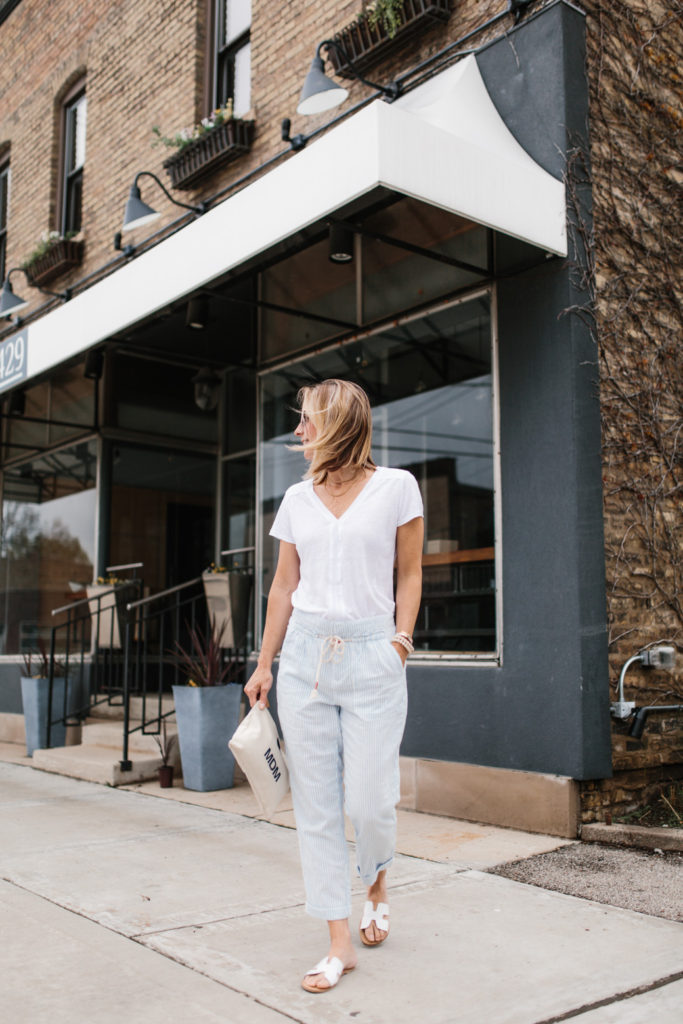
x=401 y=651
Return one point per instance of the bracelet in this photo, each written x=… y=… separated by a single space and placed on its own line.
x=404 y=641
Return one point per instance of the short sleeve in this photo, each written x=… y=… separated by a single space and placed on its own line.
x=410 y=500
x=282 y=526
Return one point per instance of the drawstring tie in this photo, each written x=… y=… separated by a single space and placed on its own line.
x=332 y=650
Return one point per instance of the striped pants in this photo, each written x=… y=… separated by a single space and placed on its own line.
x=341 y=697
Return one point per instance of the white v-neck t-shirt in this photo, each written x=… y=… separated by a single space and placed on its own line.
x=347 y=564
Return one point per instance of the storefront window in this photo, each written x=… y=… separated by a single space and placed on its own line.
x=54 y=410
x=154 y=397
x=429 y=380
x=162 y=512
x=48 y=542
x=396 y=278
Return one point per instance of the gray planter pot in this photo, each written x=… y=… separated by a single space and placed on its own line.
x=207 y=716
x=34 y=693
x=227 y=598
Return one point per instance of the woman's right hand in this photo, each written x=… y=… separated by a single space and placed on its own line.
x=258 y=687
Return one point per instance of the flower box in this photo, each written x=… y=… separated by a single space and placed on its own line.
x=366 y=44
x=204 y=155
x=60 y=257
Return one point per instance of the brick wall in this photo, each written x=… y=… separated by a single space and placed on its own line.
x=636 y=120
x=145 y=65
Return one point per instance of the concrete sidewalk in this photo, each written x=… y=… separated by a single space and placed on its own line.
x=119 y=906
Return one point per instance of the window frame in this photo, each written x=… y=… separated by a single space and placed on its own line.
x=223 y=56
x=68 y=178
x=484 y=658
x=4 y=213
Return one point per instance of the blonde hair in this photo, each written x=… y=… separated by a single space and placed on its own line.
x=340 y=412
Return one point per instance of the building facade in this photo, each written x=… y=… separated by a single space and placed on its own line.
x=431 y=238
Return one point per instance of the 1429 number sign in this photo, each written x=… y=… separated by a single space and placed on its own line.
x=13 y=357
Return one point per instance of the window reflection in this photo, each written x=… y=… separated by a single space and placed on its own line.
x=48 y=542
x=429 y=383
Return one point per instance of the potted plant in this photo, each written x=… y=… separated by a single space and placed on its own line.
x=227 y=593
x=215 y=141
x=166 y=742
x=54 y=255
x=380 y=25
x=207 y=712
x=35 y=685
x=106 y=598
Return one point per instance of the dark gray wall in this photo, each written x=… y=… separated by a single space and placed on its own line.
x=546 y=708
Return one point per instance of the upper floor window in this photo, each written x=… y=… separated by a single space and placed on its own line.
x=4 y=196
x=73 y=160
x=232 y=70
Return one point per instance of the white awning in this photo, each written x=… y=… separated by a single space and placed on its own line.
x=444 y=143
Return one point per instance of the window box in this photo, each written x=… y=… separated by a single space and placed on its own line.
x=60 y=257
x=205 y=154
x=366 y=44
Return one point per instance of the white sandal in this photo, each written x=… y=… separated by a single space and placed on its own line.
x=331 y=969
x=380 y=918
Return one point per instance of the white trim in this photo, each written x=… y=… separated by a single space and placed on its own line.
x=444 y=143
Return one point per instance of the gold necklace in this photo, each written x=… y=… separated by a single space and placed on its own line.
x=340 y=494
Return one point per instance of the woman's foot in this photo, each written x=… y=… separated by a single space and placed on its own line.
x=345 y=954
x=373 y=935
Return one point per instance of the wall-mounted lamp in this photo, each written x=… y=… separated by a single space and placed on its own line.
x=11 y=303
x=320 y=93
x=138 y=213
x=94 y=364
x=206 y=389
x=341 y=243
x=197 y=313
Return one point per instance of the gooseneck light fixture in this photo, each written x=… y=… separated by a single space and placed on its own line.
x=320 y=93
x=138 y=213
x=11 y=303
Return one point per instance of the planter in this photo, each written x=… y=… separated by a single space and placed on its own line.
x=166 y=776
x=59 y=258
x=214 y=149
x=207 y=716
x=227 y=598
x=34 y=694
x=112 y=613
x=365 y=44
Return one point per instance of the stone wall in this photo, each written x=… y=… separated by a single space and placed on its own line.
x=634 y=51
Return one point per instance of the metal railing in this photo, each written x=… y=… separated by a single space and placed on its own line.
x=87 y=648
x=116 y=645
x=155 y=628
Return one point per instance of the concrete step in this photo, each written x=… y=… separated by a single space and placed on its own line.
x=115 y=711
x=109 y=734
x=95 y=764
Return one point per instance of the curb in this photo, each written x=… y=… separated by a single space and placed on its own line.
x=670 y=839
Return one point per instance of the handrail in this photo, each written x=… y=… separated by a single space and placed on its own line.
x=87 y=600
x=237 y=551
x=162 y=593
x=130 y=565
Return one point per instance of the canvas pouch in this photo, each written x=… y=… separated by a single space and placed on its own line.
x=257 y=749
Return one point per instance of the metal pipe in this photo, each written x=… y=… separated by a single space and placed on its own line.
x=162 y=593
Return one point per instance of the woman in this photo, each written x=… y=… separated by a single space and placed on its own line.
x=341 y=680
